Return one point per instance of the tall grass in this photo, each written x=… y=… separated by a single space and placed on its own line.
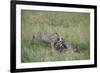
x=73 y=27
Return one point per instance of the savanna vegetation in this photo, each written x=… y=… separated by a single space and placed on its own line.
x=73 y=27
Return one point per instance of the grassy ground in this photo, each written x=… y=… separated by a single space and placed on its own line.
x=73 y=27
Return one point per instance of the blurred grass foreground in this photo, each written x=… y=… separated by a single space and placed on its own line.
x=72 y=26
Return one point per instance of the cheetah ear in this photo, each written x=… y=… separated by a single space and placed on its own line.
x=62 y=39
x=56 y=33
